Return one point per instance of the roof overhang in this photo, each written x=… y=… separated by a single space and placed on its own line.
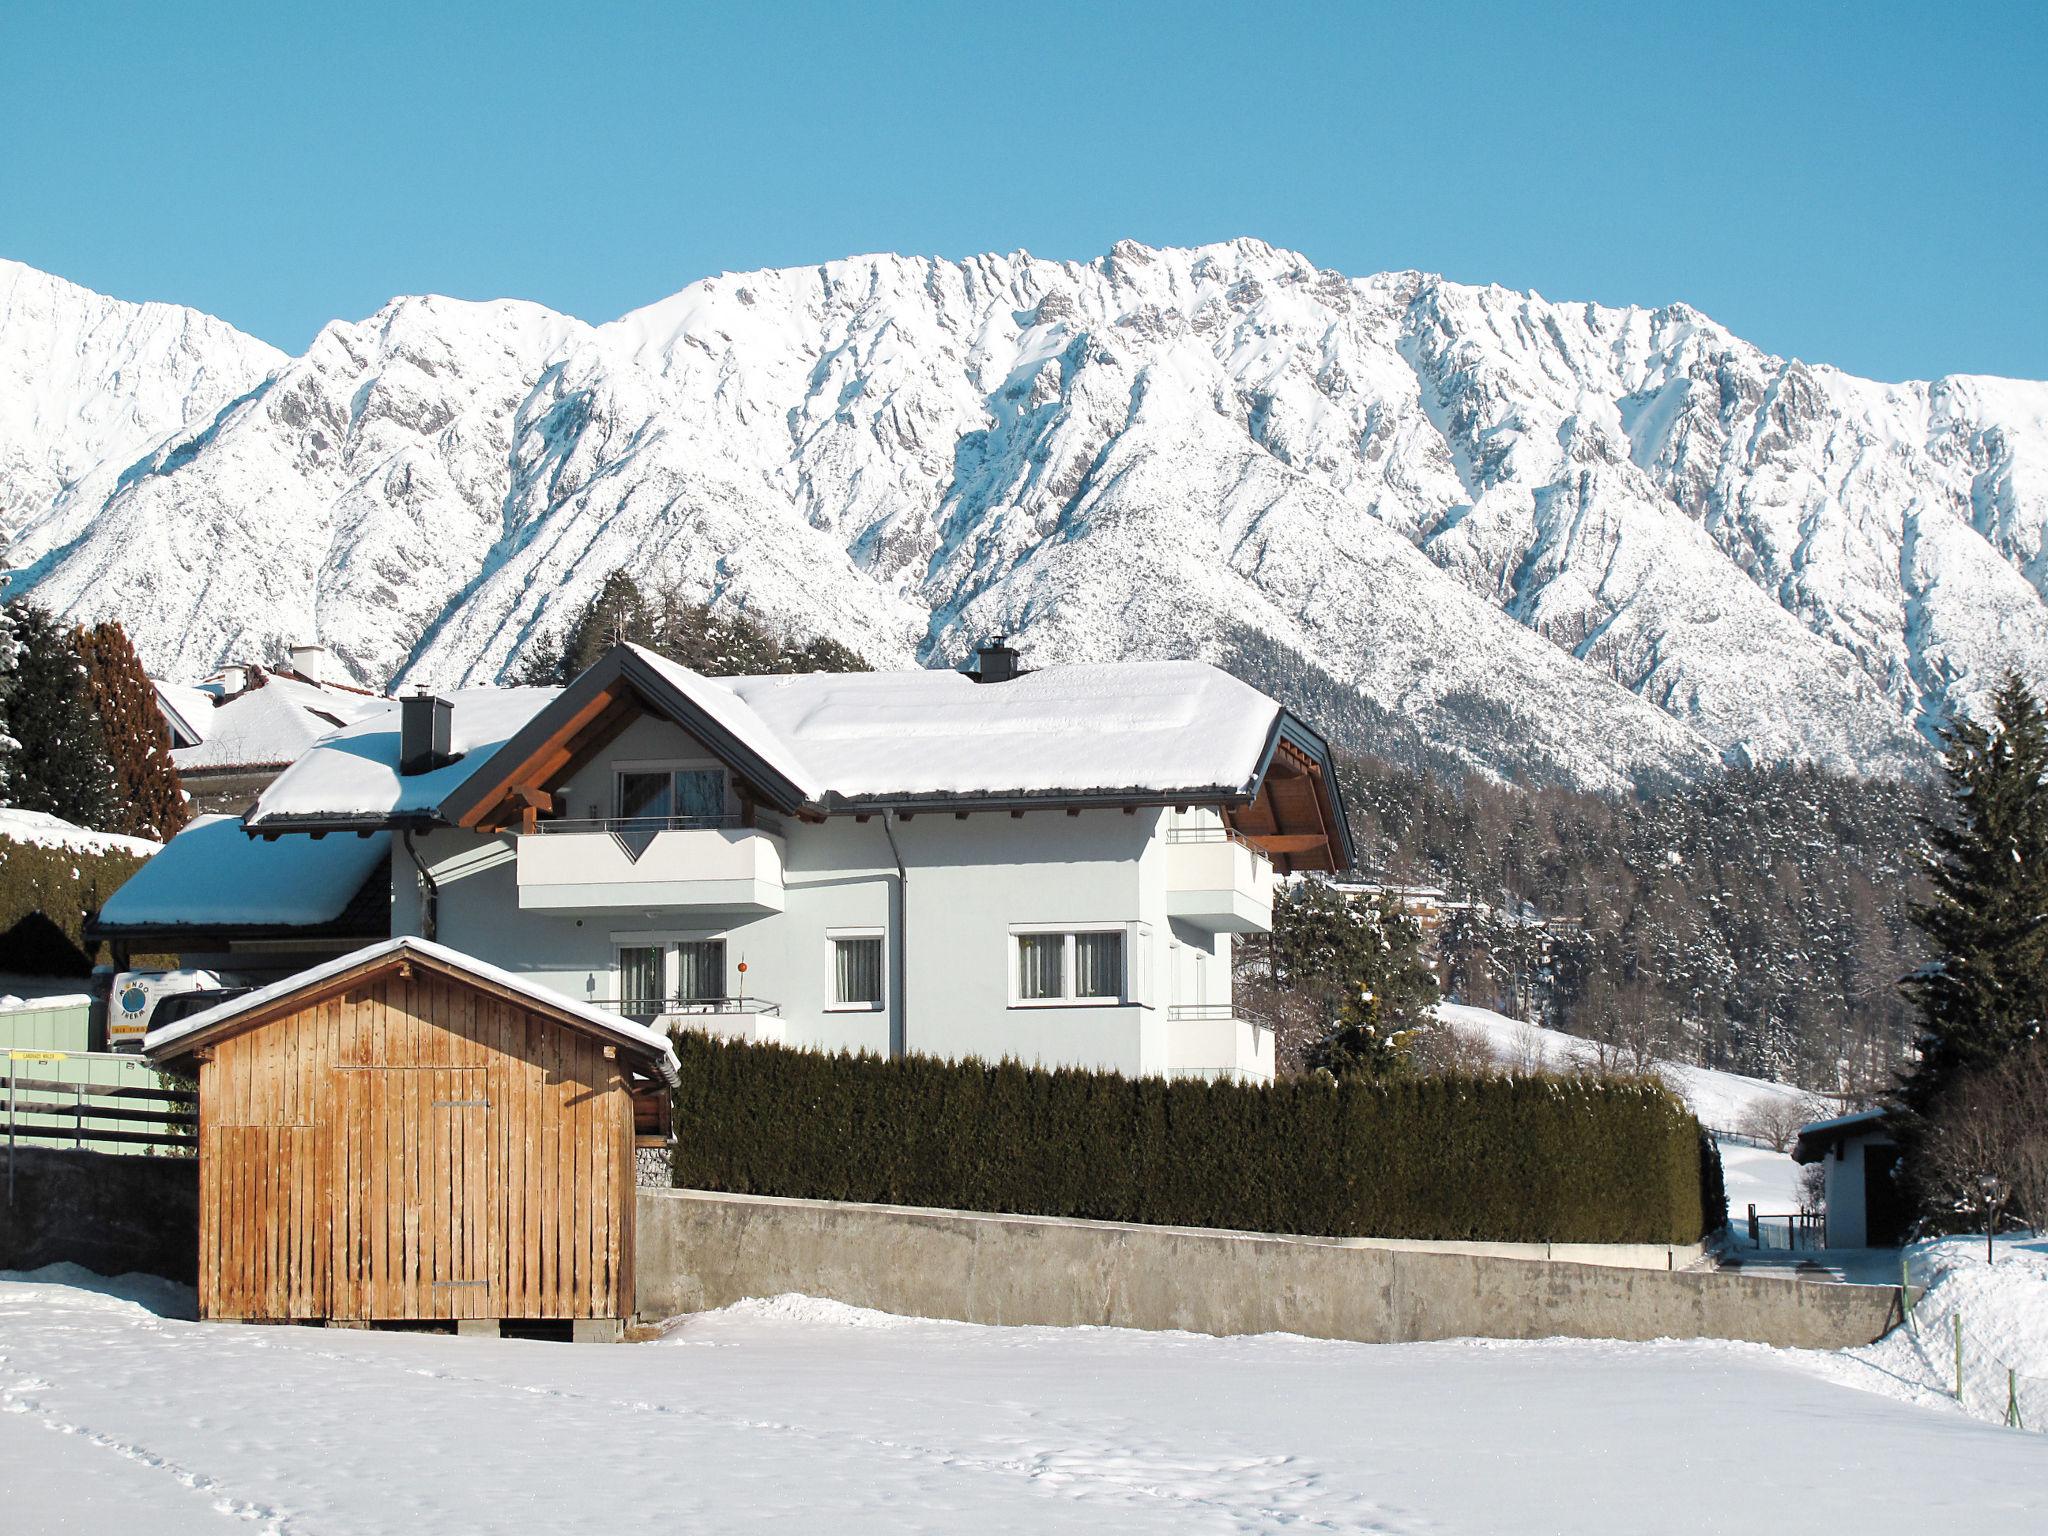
x=254 y=1009
x=1295 y=810
x=587 y=715
x=1823 y=1136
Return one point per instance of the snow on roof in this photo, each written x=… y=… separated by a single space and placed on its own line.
x=273 y=725
x=354 y=772
x=47 y=831
x=1823 y=1133
x=189 y=711
x=213 y=873
x=719 y=699
x=645 y=1037
x=1147 y=726
x=1154 y=728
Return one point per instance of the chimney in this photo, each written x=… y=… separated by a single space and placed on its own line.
x=310 y=662
x=423 y=733
x=995 y=662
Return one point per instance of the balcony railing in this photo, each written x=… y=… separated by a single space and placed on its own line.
x=1211 y=1012
x=648 y=1009
x=1216 y=835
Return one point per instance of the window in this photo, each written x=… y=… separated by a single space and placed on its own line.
x=700 y=795
x=1098 y=965
x=640 y=988
x=857 y=972
x=655 y=798
x=700 y=971
x=1084 y=967
x=644 y=799
x=1040 y=962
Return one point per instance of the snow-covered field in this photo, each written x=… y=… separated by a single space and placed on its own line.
x=797 y=1415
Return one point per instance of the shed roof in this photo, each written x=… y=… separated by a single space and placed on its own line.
x=179 y=1039
x=212 y=875
x=1818 y=1136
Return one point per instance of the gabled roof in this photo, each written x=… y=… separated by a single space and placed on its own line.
x=173 y=1041
x=187 y=711
x=1818 y=1138
x=624 y=681
x=271 y=726
x=212 y=877
x=1125 y=733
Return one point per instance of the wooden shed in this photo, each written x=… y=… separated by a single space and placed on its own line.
x=407 y=1135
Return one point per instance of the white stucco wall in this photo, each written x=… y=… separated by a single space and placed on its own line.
x=972 y=883
x=1847 y=1192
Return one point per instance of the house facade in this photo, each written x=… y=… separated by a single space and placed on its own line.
x=1052 y=866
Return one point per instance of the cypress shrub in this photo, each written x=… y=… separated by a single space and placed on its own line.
x=1500 y=1159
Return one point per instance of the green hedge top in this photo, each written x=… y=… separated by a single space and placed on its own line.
x=1504 y=1159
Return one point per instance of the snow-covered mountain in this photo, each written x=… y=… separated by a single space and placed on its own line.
x=1579 y=542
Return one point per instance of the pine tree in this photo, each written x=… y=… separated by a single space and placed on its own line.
x=1986 y=990
x=61 y=763
x=1365 y=965
x=149 y=800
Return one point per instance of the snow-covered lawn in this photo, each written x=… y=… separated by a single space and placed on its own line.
x=796 y=1415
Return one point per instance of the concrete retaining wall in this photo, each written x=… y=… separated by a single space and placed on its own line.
x=697 y=1249
x=110 y=1214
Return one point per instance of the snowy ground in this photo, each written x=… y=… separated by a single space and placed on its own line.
x=1769 y=1180
x=803 y=1415
x=1719 y=1099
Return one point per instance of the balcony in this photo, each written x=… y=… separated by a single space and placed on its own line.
x=650 y=864
x=722 y=1018
x=1206 y=1040
x=1216 y=880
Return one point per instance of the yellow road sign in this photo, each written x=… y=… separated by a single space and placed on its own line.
x=37 y=1055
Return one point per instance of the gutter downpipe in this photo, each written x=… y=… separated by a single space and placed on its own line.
x=430 y=893
x=899 y=1032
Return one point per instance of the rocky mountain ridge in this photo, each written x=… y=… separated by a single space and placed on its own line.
x=1557 y=541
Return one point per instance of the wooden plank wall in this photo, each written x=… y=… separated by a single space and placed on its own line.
x=415 y=1149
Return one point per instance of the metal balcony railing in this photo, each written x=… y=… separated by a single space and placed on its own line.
x=1216 y=835
x=634 y=823
x=648 y=1009
x=1211 y=1012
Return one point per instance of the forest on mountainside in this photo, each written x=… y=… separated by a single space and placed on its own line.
x=1756 y=920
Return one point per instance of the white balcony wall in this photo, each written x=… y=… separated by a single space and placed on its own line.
x=728 y=869
x=1219 y=884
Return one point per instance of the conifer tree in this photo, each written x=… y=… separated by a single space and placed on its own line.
x=61 y=763
x=1365 y=965
x=1986 y=990
x=149 y=800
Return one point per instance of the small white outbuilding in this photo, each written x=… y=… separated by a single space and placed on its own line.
x=1867 y=1206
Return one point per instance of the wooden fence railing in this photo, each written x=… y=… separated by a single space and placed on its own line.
x=66 y=1097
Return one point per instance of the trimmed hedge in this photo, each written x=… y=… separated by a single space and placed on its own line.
x=45 y=894
x=1506 y=1159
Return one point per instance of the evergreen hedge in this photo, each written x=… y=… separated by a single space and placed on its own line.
x=45 y=894
x=1506 y=1159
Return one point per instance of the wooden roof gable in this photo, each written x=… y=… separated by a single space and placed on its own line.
x=1296 y=815
x=582 y=721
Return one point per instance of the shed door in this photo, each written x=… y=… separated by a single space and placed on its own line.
x=416 y=1233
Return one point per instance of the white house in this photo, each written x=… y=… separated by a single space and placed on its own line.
x=1048 y=865
x=1866 y=1208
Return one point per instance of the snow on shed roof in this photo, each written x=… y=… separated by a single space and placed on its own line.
x=1144 y=727
x=214 y=874
x=1817 y=1136
x=273 y=725
x=644 y=1037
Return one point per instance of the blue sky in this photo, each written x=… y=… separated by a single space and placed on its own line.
x=1861 y=185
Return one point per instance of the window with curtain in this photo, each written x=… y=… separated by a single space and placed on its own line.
x=700 y=970
x=640 y=982
x=1040 y=963
x=646 y=799
x=857 y=972
x=700 y=794
x=1098 y=965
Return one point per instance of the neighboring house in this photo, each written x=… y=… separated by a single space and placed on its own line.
x=1044 y=865
x=239 y=729
x=1866 y=1208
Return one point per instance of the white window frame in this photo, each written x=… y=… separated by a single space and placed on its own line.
x=832 y=938
x=664 y=965
x=1131 y=994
